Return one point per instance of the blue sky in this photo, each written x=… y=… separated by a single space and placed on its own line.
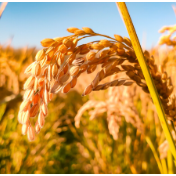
x=29 y=23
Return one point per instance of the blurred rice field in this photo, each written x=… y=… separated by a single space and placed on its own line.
x=60 y=147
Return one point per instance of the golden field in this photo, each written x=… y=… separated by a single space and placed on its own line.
x=82 y=125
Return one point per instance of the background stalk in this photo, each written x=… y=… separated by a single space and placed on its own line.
x=150 y=83
x=149 y=142
x=169 y=162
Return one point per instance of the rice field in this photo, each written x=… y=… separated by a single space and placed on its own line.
x=71 y=108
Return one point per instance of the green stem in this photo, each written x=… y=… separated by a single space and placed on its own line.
x=149 y=80
x=149 y=142
x=164 y=166
x=169 y=162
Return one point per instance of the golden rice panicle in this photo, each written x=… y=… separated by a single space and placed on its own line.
x=59 y=65
x=168 y=39
x=117 y=97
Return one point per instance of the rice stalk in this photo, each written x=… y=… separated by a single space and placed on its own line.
x=164 y=166
x=147 y=75
x=169 y=162
x=155 y=154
